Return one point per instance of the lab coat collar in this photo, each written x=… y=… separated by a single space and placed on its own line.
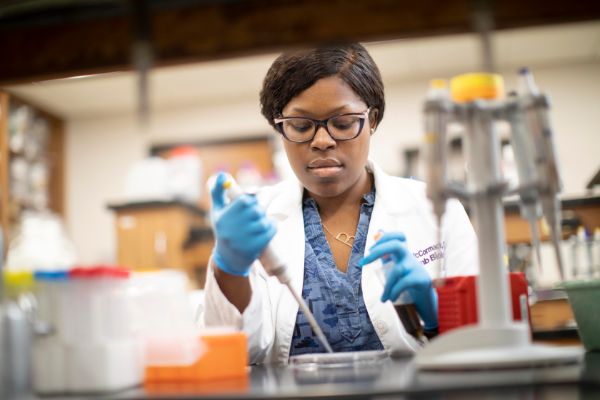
x=283 y=206
x=388 y=195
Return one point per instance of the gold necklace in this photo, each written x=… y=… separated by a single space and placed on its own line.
x=343 y=237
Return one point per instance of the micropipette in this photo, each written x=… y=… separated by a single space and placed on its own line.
x=546 y=160
x=436 y=120
x=523 y=148
x=535 y=240
x=274 y=266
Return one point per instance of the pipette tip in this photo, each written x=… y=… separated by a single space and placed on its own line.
x=535 y=241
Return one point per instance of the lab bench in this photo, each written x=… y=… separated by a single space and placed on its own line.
x=394 y=378
x=152 y=235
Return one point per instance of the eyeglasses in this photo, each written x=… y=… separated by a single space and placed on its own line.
x=340 y=127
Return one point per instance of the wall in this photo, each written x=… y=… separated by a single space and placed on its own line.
x=100 y=150
x=573 y=90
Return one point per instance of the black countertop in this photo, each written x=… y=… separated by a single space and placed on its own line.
x=392 y=379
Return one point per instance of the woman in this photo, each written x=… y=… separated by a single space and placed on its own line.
x=326 y=104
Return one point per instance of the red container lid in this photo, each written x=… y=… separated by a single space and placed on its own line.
x=180 y=151
x=99 y=271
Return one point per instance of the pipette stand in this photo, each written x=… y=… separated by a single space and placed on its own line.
x=496 y=341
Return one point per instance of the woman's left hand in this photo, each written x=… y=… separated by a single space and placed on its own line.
x=407 y=273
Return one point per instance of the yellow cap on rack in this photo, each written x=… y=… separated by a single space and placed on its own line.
x=468 y=87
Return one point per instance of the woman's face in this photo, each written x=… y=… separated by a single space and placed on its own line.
x=327 y=168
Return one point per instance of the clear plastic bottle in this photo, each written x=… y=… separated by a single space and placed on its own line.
x=596 y=252
x=249 y=177
x=184 y=170
x=582 y=256
x=16 y=333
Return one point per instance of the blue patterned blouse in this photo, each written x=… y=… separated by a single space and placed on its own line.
x=334 y=297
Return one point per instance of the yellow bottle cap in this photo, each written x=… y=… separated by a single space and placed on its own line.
x=18 y=279
x=438 y=83
x=468 y=87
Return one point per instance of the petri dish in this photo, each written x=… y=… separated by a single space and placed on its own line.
x=349 y=359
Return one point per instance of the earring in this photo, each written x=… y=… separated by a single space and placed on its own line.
x=372 y=131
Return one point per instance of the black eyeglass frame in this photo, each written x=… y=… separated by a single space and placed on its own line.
x=322 y=122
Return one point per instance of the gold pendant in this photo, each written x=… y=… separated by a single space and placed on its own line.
x=345 y=238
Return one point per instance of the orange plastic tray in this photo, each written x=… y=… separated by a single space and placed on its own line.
x=225 y=356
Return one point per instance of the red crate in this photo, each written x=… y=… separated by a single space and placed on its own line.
x=457 y=300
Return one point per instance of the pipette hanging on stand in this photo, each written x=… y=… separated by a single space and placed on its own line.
x=436 y=121
x=536 y=109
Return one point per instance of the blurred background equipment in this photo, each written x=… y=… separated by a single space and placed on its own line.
x=31 y=161
x=88 y=344
x=161 y=220
x=40 y=242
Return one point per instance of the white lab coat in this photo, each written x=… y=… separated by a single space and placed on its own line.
x=400 y=205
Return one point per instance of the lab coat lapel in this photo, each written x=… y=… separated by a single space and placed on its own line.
x=289 y=242
x=391 y=212
x=391 y=206
x=385 y=217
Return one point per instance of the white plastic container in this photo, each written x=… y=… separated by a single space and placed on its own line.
x=40 y=243
x=163 y=319
x=48 y=354
x=89 y=346
x=249 y=177
x=147 y=180
x=184 y=171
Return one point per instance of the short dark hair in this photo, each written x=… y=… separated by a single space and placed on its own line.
x=292 y=73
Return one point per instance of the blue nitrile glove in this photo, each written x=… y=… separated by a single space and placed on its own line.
x=241 y=228
x=407 y=273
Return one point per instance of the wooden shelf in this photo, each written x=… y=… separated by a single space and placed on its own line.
x=4 y=165
x=585 y=209
x=53 y=153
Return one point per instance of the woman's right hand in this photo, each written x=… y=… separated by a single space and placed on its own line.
x=241 y=228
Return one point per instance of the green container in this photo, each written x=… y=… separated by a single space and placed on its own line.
x=584 y=297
